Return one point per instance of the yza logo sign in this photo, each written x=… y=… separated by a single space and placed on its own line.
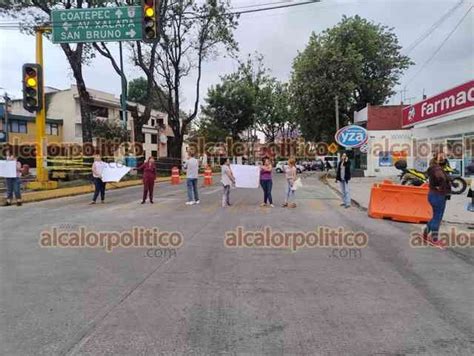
x=351 y=136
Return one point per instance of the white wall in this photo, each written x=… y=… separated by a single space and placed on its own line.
x=387 y=141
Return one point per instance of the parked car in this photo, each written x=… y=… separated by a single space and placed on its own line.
x=318 y=165
x=331 y=159
x=281 y=167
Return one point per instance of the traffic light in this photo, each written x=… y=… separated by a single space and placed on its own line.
x=32 y=87
x=150 y=19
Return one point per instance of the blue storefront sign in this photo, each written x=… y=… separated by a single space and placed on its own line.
x=351 y=136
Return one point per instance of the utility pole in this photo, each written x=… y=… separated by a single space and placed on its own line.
x=41 y=173
x=40 y=122
x=337 y=112
x=6 y=98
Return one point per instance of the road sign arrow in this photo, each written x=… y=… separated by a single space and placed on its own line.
x=66 y=26
x=118 y=13
x=131 y=33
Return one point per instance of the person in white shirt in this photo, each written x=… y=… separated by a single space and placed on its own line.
x=290 y=174
x=97 y=168
x=191 y=166
x=14 y=184
x=227 y=180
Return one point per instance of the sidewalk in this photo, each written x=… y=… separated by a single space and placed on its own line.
x=39 y=195
x=360 y=193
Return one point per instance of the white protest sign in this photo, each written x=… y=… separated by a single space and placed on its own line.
x=8 y=169
x=114 y=172
x=246 y=176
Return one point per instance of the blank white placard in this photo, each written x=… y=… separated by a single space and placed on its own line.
x=246 y=176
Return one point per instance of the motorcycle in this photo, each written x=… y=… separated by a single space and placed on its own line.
x=411 y=176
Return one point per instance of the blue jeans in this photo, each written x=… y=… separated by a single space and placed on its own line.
x=13 y=186
x=267 y=190
x=99 y=189
x=438 y=204
x=226 y=195
x=290 y=193
x=346 y=193
x=192 y=189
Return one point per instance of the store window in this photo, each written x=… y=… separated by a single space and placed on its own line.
x=468 y=155
x=18 y=126
x=78 y=130
x=52 y=129
x=98 y=111
x=422 y=154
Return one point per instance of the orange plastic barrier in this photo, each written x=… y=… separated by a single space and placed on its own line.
x=175 y=175
x=400 y=202
x=208 y=176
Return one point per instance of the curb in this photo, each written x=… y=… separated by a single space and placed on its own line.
x=79 y=190
x=356 y=204
x=41 y=195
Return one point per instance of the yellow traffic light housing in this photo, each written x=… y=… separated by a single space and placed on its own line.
x=32 y=87
x=150 y=20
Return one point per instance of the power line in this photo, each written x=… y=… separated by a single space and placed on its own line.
x=433 y=27
x=440 y=46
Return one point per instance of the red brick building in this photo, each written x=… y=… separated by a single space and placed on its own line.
x=375 y=117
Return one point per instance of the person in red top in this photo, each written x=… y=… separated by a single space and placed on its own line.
x=149 y=176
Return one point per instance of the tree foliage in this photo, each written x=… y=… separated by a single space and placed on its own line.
x=356 y=60
x=191 y=33
x=33 y=13
x=108 y=130
x=247 y=98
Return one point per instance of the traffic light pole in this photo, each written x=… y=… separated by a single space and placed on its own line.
x=41 y=144
x=40 y=115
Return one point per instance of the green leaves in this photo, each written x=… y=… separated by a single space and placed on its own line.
x=357 y=60
x=247 y=98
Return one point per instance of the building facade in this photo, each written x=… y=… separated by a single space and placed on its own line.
x=444 y=122
x=105 y=106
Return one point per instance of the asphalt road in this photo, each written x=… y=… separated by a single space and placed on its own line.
x=208 y=299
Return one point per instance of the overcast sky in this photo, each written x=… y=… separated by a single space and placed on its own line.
x=279 y=35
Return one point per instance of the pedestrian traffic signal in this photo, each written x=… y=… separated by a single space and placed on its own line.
x=150 y=20
x=32 y=87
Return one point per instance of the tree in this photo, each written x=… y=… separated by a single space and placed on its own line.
x=191 y=34
x=247 y=98
x=34 y=13
x=108 y=130
x=357 y=60
x=146 y=89
x=230 y=106
x=274 y=112
x=137 y=92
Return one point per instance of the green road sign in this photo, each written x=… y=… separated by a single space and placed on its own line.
x=99 y=24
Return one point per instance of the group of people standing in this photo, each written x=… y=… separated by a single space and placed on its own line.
x=149 y=177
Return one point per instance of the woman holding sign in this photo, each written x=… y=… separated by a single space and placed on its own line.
x=266 y=182
x=97 y=168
